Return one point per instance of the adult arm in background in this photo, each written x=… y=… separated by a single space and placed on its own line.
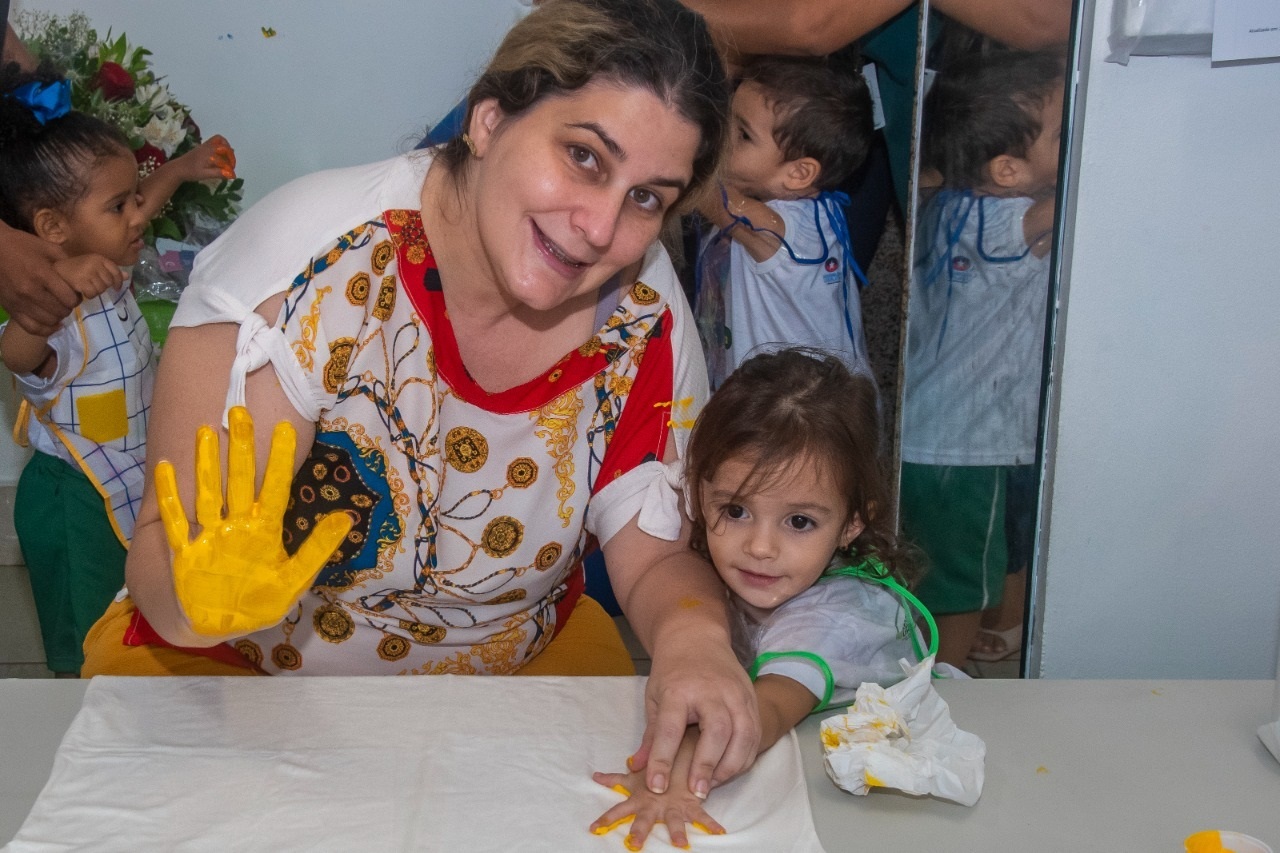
x=1024 y=24
x=15 y=51
x=676 y=604
x=807 y=27
x=36 y=296
x=819 y=27
x=33 y=293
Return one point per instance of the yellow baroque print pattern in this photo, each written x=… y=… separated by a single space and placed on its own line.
x=335 y=370
x=557 y=425
x=305 y=346
x=466 y=449
x=382 y=255
x=358 y=288
x=522 y=472
x=643 y=294
x=502 y=536
x=333 y=624
x=386 y=302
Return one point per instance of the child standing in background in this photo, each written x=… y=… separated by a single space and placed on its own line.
x=71 y=180
x=975 y=331
x=779 y=270
x=788 y=500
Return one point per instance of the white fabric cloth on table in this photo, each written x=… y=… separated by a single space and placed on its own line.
x=447 y=763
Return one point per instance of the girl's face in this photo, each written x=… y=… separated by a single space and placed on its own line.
x=576 y=188
x=770 y=545
x=107 y=221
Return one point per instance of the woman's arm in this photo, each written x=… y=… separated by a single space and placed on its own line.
x=190 y=392
x=676 y=604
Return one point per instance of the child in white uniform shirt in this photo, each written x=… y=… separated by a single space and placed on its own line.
x=975 y=331
x=778 y=271
x=789 y=500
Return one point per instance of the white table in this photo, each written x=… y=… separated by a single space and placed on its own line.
x=1071 y=766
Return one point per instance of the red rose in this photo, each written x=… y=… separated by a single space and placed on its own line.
x=149 y=157
x=113 y=81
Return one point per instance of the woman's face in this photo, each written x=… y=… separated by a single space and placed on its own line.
x=576 y=188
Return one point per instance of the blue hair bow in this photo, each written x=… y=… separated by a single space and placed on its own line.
x=46 y=101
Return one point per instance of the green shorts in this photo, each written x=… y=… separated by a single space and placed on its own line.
x=75 y=561
x=955 y=514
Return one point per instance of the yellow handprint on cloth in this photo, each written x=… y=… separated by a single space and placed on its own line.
x=235 y=577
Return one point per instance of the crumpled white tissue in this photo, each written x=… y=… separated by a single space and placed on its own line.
x=903 y=737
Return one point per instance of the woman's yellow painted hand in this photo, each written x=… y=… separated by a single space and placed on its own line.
x=235 y=577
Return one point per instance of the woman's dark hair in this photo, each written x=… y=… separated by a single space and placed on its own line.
x=795 y=407
x=821 y=108
x=46 y=165
x=983 y=106
x=562 y=45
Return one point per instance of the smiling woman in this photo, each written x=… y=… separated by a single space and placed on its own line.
x=485 y=355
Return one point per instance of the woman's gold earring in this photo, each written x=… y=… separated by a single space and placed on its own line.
x=470 y=143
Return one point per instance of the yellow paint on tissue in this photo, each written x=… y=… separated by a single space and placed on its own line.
x=830 y=738
x=1208 y=841
x=872 y=782
x=1042 y=770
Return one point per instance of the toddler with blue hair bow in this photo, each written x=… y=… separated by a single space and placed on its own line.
x=71 y=180
x=779 y=270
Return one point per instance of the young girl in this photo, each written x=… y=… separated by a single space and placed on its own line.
x=71 y=180
x=789 y=501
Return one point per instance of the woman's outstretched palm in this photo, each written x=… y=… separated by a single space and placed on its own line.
x=235 y=578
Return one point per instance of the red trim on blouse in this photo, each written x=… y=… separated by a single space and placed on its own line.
x=420 y=279
x=642 y=430
x=140 y=633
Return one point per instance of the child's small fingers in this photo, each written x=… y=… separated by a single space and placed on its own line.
x=707 y=825
x=675 y=829
x=639 y=834
x=610 y=780
x=617 y=816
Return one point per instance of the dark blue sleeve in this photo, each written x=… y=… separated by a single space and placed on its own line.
x=447 y=128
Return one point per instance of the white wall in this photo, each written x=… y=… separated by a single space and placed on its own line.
x=1164 y=527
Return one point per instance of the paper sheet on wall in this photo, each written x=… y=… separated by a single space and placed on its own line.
x=1245 y=29
x=444 y=763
